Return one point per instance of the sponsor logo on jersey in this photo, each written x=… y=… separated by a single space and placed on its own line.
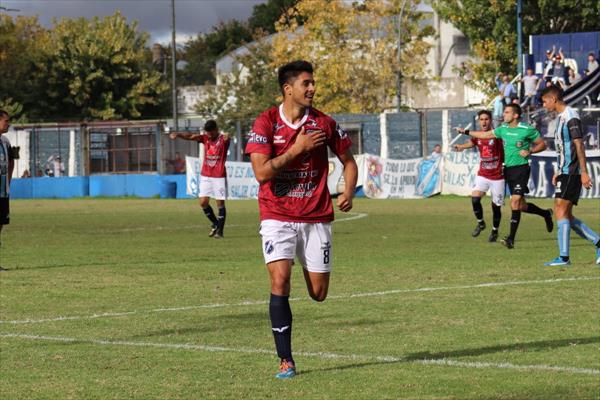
x=256 y=138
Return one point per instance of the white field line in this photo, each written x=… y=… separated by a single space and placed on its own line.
x=262 y=302
x=175 y=227
x=328 y=356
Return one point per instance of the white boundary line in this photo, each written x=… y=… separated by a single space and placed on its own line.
x=262 y=302
x=328 y=356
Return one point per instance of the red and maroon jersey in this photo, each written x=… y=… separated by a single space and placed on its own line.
x=491 y=154
x=299 y=192
x=215 y=155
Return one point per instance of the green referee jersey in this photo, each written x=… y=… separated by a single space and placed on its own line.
x=516 y=139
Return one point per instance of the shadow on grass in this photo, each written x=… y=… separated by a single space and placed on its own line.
x=424 y=356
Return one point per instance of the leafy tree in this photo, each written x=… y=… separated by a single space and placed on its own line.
x=19 y=48
x=490 y=27
x=265 y=15
x=96 y=69
x=355 y=50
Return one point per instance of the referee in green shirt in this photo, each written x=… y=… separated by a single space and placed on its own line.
x=520 y=141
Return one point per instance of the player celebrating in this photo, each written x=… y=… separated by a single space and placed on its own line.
x=517 y=138
x=489 y=176
x=213 y=176
x=571 y=175
x=288 y=149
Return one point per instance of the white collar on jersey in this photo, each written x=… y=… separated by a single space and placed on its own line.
x=288 y=123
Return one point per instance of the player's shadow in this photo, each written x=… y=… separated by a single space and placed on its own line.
x=425 y=356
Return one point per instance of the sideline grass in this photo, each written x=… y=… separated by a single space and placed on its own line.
x=84 y=257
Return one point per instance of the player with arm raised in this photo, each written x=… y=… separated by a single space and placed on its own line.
x=489 y=176
x=288 y=150
x=213 y=176
x=520 y=141
x=572 y=174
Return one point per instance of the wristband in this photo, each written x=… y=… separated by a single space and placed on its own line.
x=466 y=132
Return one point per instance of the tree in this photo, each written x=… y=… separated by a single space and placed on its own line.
x=249 y=90
x=265 y=15
x=95 y=69
x=490 y=27
x=354 y=49
x=19 y=48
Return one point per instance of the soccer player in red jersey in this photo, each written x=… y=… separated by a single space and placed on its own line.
x=489 y=176
x=213 y=176
x=288 y=149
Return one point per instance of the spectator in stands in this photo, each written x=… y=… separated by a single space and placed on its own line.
x=531 y=82
x=506 y=88
x=592 y=63
x=58 y=168
x=572 y=77
x=558 y=71
x=549 y=62
x=26 y=174
x=436 y=153
x=178 y=164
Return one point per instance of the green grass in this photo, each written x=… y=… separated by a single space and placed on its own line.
x=147 y=260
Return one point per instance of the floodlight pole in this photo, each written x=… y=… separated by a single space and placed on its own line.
x=399 y=76
x=173 y=67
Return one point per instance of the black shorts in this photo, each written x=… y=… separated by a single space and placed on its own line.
x=568 y=187
x=4 y=214
x=517 y=178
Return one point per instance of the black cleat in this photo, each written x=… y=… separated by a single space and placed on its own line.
x=493 y=236
x=549 y=222
x=508 y=242
x=480 y=226
x=213 y=232
x=3 y=269
x=218 y=234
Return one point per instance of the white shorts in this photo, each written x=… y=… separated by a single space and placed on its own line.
x=496 y=188
x=310 y=242
x=213 y=187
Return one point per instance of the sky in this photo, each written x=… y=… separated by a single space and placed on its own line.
x=153 y=16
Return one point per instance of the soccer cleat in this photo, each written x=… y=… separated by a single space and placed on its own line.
x=558 y=261
x=4 y=269
x=508 y=242
x=480 y=226
x=493 y=236
x=549 y=222
x=287 y=369
x=598 y=256
x=213 y=231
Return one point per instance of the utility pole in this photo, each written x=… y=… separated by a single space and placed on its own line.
x=399 y=76
x=519 y=44
x=173 y=67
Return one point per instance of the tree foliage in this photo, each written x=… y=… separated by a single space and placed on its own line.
x=491 y=29
x=96 y=69
x=354 y=48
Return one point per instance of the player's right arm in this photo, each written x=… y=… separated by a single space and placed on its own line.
x=187 y=136
x=477 y=134
x=464 y=146
x=266 y=168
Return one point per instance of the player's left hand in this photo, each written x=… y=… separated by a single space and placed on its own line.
x=586 y=181
x=524 y=153
x=344 y=202
x=173 y=135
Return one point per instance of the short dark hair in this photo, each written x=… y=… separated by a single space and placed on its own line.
x=288 y=72
x=486 y=112
x=553 y=91
x=3 y=114
x=211 y=125
x=516 y=108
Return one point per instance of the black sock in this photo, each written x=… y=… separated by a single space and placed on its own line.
x=281 y=324
x=564 y=258
x=514 y=223
x=221 y=219
x=497 y=212
x=477 y=209
x=210 y=214
x=598 y=244
x=533 y=209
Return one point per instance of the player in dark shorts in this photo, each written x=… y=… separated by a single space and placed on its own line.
x=7 y=165
x=570 y=177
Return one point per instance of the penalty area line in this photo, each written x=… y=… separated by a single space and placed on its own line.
x=323 y=355
x=263 y=302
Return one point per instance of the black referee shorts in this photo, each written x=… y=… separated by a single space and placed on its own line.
x=4 y=214
x=517 y=178
x=568 y=187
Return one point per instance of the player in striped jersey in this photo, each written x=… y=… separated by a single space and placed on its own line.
x=571 y=175
x=7 y=165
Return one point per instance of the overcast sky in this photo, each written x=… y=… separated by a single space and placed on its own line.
x=153 y=16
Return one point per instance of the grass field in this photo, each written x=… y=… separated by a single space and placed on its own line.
x=129 y=299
